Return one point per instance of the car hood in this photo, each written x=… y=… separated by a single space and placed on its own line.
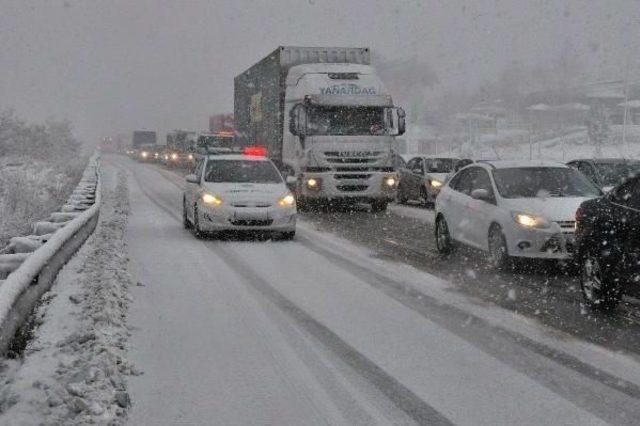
x=247 y=193
x=552 y=208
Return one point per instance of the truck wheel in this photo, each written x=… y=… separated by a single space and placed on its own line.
x=287 y=236
x=379 y=206
x=599 y=288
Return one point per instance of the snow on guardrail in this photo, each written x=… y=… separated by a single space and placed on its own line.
x=29 y=265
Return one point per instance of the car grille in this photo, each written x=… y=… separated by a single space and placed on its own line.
x=352 y=176
x=568 y=227
x=352 y=188
x=244 y=222
x=245 y=205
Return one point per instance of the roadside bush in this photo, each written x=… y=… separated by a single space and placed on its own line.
x=40 y=164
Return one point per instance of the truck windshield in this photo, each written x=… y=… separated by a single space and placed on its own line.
x=241 y=171
x=328 y=120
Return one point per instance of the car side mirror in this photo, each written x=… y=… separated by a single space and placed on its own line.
x=481 y=194
x=192 y=179
x=291 y=180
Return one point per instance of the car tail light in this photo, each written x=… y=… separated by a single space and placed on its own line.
x=581 y=214
x=258 y=151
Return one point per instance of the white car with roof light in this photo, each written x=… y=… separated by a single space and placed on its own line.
x=232 y=192
x=512 y=209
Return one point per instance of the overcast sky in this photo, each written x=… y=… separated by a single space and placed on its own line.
x=112 y=66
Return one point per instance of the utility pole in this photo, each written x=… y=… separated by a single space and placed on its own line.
x=626 y=108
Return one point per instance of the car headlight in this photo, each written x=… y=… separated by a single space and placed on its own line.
x=391 y=181
x=287 y=201
x=174 y=156
x=435 y=183
x=211 y=200
x=530 y=221
x=144 y=154
x=190 y=157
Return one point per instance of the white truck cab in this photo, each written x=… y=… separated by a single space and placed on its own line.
x=327 y=121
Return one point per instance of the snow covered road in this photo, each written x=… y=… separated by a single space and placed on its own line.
x=317 y=331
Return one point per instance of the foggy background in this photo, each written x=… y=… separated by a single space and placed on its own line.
x=112 y=66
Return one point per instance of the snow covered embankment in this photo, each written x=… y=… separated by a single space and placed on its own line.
x=73 y=370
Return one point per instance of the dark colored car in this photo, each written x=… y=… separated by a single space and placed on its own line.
x=608 y=245
x=606 y=172
x=422 y=177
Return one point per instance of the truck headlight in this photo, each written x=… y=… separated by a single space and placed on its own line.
x=287 y=201
x=313 y=183
x=530 y=221
x=211 y=200
x=435 y=183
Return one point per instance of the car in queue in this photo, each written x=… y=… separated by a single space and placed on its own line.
x=606 y=172
x=238 y=192
x=608 y=245
x=148 y=154
x=512 y=209
x=422 y=178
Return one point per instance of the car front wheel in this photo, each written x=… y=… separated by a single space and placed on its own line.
x=185 y=218
x=196 y=223
x=599 y=289
x=498 y=252
x=444 y=243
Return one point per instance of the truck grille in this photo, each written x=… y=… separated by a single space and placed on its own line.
x=352 y=176
x=348 y=157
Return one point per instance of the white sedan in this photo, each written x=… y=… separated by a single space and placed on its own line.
x=512 y=209
x=238 y=193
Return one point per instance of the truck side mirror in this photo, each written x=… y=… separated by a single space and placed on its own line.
x=297 y=120
x=401 y=121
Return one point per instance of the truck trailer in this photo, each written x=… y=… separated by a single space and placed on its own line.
x=326 y=120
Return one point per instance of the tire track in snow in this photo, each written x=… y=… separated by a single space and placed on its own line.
x=471 y=328
x=405 y=399
x=499 y=342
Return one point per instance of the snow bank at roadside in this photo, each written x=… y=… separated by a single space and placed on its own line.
x=73 y=370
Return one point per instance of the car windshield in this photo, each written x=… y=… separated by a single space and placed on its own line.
x=534 y=182
x=241 y=171
x=613 y=173
x=439 y=165
x=215 y=142
x=326 y=120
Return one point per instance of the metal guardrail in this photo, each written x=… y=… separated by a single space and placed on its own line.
x=29 y=265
